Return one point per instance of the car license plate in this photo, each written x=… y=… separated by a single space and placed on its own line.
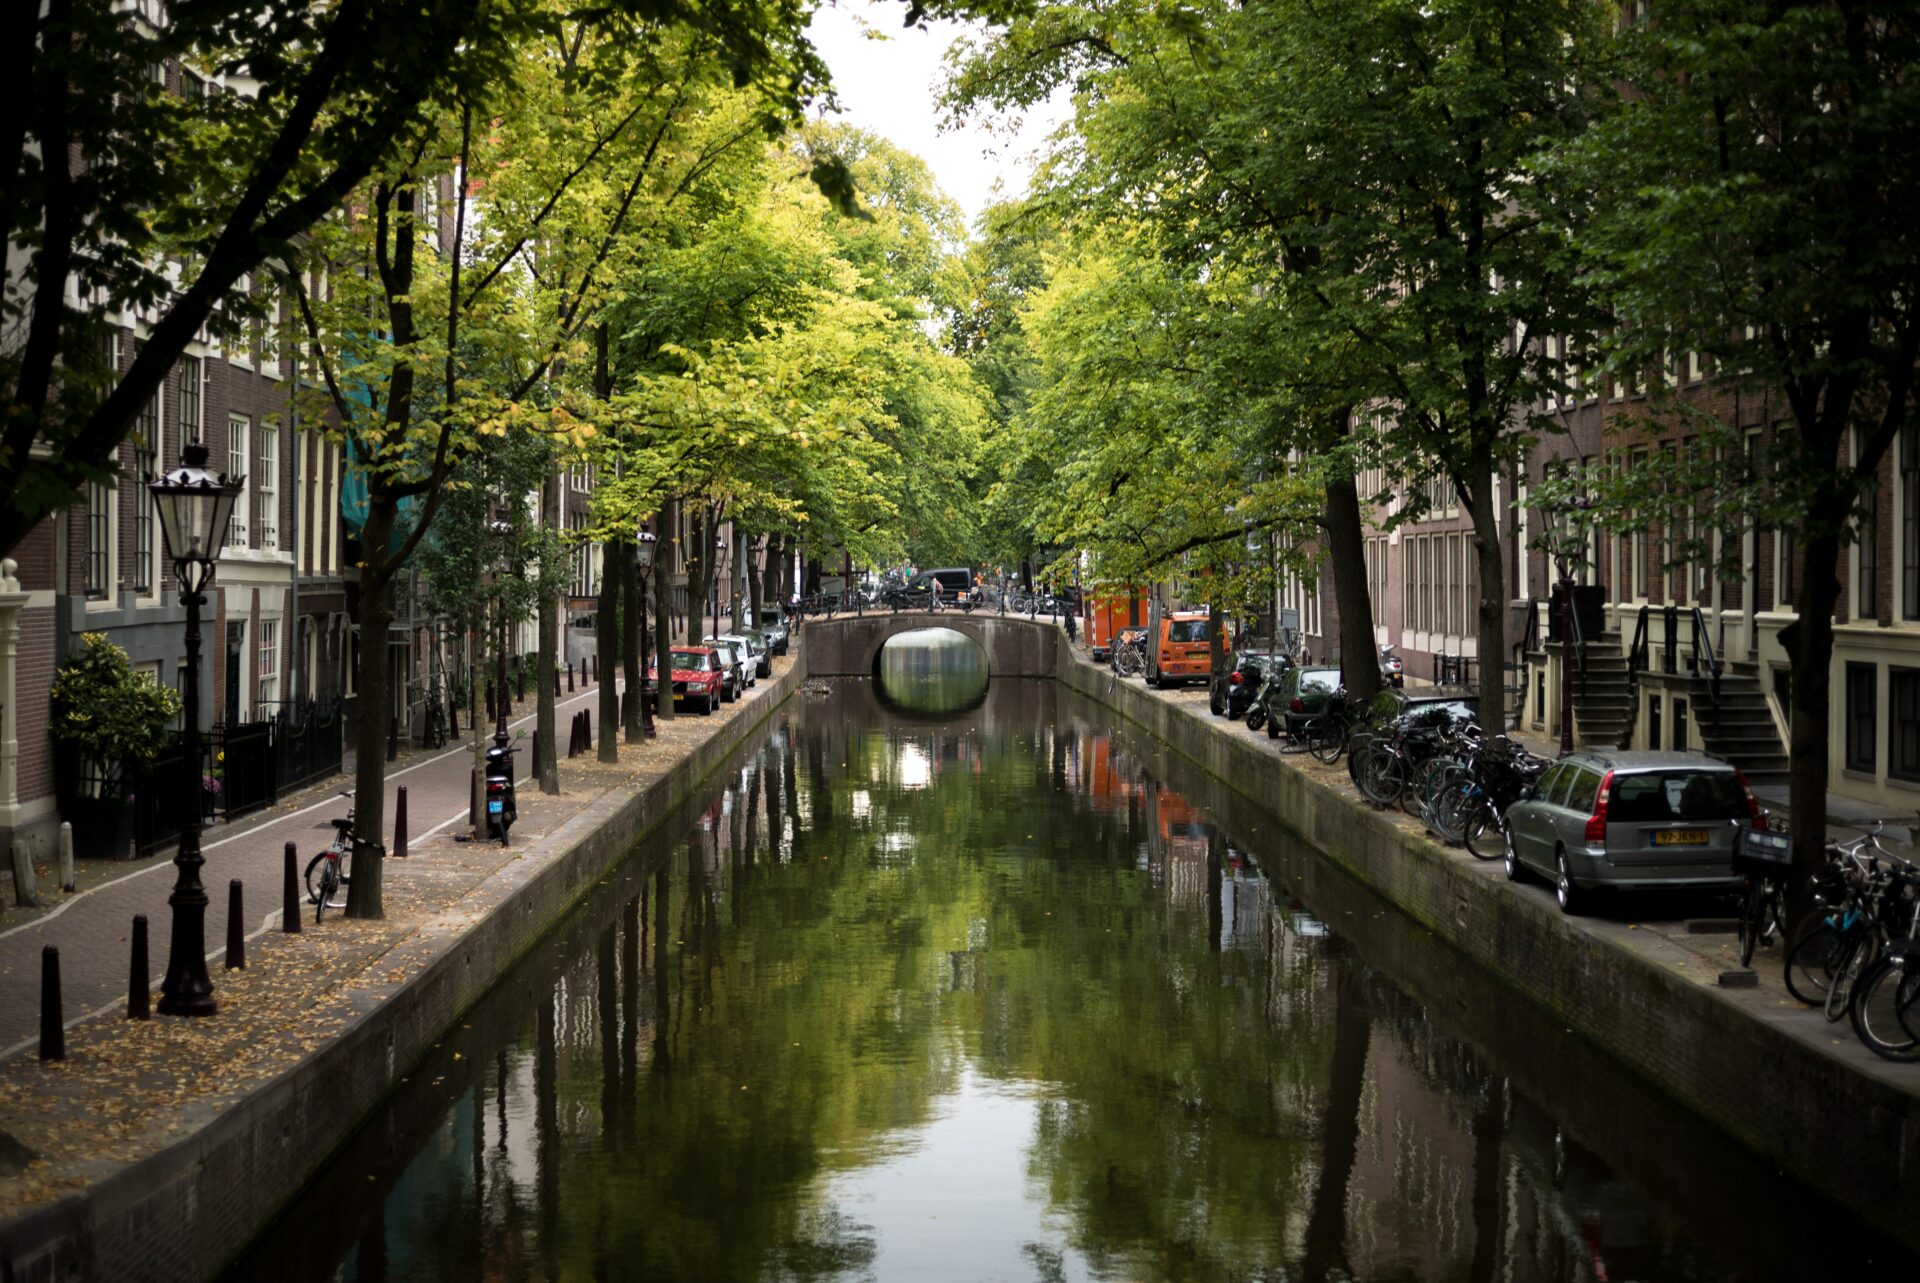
x=1681 y=837
x=495 y=806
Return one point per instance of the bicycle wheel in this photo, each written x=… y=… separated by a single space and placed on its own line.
x=1886 y=1008
x=1810 y=963
x=325 y=889
x=1860 y=954
x=1329 y=740
x=1485 y=837
x=1750 y=914
x=1384 y=777
x=1422 y=781
x=312 y=878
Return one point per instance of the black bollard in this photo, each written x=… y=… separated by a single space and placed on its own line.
x=596 y=666
x=519 y=679
x=533 y=757
x=236 y=927
x=400 y=822
x=453 y=721
x=290 y=893
x=557 y=692
x=586 y=729
x=393 y=738
x=53 y=1030
x=139 y=977
x=473 y=797
x=569 y=677
x=490 y=712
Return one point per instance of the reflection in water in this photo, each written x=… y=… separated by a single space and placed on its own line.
x=932 y=671
x=988 y=1000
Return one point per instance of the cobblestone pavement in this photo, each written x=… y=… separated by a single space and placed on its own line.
x=92 y=928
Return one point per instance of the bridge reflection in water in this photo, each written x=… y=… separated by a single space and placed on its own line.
x=934 y=671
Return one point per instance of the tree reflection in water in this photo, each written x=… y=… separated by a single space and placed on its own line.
x=988 y=999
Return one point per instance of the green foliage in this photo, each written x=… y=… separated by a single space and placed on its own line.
x=105 y=709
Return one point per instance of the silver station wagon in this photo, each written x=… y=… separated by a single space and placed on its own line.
x=1631 y=821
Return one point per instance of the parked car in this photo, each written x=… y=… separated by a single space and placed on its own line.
x=750 y=655
x=736 y=662
x=1180 y=654
x=1631 y=820
x=697 y=677
x=773 y=622
x=762 y=658
x=1247 y=671
x=957 y=589
x=1302 y=696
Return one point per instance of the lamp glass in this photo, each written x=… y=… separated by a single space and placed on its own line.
x=644 y=545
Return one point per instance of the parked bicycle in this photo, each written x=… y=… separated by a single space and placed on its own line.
x=328 y=871
x=1843 y=941
x=1765 y=856
x=1130 y=653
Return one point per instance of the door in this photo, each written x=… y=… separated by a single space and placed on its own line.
x=236 y=647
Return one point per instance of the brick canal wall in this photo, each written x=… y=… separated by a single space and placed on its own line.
x=188 y=1211
x=1854 y=1134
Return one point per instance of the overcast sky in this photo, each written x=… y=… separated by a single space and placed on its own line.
x=888 y=87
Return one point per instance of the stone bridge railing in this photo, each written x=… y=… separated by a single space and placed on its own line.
x=849 y=645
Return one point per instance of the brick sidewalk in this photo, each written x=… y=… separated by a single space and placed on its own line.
x=92 y=927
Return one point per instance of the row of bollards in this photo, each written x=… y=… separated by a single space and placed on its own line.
x=53 y=1036
x=582 y=737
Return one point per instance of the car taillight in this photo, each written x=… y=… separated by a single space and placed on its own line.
x=1597 y=822
x=1166 y=656
x=1296 y=706
x=1235 y=678
x=1754 y=812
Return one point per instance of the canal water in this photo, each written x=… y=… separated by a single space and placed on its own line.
x=1004 y=994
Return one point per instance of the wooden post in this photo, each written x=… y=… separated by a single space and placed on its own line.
x=289 y=893
x=23 y=889
x=139 y=974
x=236 y=927
x=53 y=1030
x=66 y=857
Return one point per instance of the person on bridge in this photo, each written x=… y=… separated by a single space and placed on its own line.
x=936 y=594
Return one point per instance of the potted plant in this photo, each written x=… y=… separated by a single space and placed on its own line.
x=106 y=721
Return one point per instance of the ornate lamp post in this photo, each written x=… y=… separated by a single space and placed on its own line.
x=719 y=555
x=1566 y=533
x=193 y=505
x=645 y=544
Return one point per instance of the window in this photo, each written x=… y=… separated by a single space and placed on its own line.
x=1696 y=369
x=1903 y=731
x=270 y=336
x=146 y=462
x=239 y=428
x=236 y=341
x=99 y=562
x=1866 y=556
x=1583 y=790
x=1862 y=716
x=267 y=472
x=1910 y=521
x=269 y=663
x=192 y=424
x=1784 y=549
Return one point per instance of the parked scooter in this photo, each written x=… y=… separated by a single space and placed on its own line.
x=1392 y=670
x=501 y=811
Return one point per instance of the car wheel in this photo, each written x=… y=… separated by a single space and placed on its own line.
x=1213 y=704
x=1516 y=872
x=1571 y=899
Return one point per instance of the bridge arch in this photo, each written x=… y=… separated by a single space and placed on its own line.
x=849 y=645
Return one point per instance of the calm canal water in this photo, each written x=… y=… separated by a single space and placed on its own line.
x=1002 y=995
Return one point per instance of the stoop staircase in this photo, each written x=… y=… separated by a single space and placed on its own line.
x=1736 y=726
x=1603 y=703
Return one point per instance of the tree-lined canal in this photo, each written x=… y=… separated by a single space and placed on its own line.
x=1001 y=995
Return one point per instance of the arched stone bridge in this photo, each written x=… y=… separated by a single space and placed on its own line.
x=849 y=645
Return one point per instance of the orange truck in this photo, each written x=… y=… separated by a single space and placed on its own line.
x=1105 y=615
x=1178 y=652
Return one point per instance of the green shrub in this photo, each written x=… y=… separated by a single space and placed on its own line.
x=104 y=708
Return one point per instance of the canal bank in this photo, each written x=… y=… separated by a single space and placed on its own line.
x=185 y=1177
x=1791 y=1090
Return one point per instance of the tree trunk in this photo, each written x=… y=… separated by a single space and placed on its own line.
x=1812 y=677
x=476 y=674
x=633 y=601
x=1216 y=654
x=606 y=640
x=699 y=555
x=754 y=598
x=546 y=721
x=662 y=617
x=1492 y=641
x=770 y=573
x=365 y=894
x=1347 y=558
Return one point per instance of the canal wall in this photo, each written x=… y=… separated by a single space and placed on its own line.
x=849 y=645
x=1852 y=1131
x=187 y=1211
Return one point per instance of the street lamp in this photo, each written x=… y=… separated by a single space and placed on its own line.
x=719 y=555
x=1566 y=531
x=644 y=546
x=193 y=505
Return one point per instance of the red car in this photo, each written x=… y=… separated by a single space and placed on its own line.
x=699 y=674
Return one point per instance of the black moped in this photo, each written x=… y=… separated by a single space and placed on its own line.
x=501 y=811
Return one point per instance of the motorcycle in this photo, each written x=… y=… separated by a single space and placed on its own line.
x=501 y=811
x=1392 y=669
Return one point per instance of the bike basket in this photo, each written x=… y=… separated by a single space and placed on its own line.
x=1762 y=851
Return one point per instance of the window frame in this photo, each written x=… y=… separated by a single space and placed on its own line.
x=1860 y=731
x=1903 y=723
